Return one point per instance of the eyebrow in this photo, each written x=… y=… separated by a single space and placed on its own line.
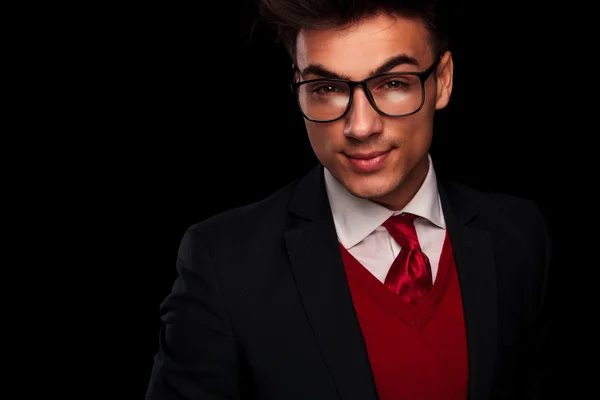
x=392 y=62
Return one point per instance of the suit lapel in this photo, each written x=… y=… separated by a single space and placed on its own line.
x=477 y=278
x=319 y=273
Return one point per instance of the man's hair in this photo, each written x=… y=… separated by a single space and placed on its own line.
x=288 y=17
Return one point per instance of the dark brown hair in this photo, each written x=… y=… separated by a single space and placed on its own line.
x=288 y=17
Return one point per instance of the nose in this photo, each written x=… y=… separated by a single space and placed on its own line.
x=362 y=120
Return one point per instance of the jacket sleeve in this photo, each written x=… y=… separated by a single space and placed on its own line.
x=197 y=355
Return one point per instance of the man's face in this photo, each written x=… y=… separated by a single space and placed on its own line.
x=374 y=156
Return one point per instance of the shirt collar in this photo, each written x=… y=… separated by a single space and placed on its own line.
x=357 y=218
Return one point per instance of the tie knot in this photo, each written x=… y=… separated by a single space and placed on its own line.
x=404 y=218
x=402 y=228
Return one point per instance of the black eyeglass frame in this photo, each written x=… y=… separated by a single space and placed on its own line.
x=423 y=76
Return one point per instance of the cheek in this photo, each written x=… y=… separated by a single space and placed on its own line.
x=412 y=135
x=411 y=127
x=422 y=122
x=430 y=95
x=323 y=137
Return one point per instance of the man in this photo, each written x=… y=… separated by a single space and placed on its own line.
x=370 y=277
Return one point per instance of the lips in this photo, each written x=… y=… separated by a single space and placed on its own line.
x=366 y=156
x=368 y=162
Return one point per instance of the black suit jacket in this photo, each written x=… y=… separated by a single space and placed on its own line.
x=261 y=307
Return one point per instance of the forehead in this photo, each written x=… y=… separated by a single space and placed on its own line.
x=357 y=49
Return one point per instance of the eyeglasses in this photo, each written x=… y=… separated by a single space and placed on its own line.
x=394 y=94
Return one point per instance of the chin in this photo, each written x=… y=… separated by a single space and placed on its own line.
x=370 y=187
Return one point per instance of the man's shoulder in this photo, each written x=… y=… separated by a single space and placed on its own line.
x=497 y=209
x=266 y=212
x=489 y=199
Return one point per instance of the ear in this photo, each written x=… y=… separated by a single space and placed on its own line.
x=445 y=75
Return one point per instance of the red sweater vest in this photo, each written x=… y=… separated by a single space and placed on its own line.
x=416 y=352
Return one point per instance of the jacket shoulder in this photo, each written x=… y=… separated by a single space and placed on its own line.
x=267 y=214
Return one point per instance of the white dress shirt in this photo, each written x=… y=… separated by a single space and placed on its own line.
x=358 y=224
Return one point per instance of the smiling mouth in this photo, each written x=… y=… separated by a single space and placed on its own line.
x=368 y=162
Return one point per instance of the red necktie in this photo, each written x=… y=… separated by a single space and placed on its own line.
x=410 y=273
